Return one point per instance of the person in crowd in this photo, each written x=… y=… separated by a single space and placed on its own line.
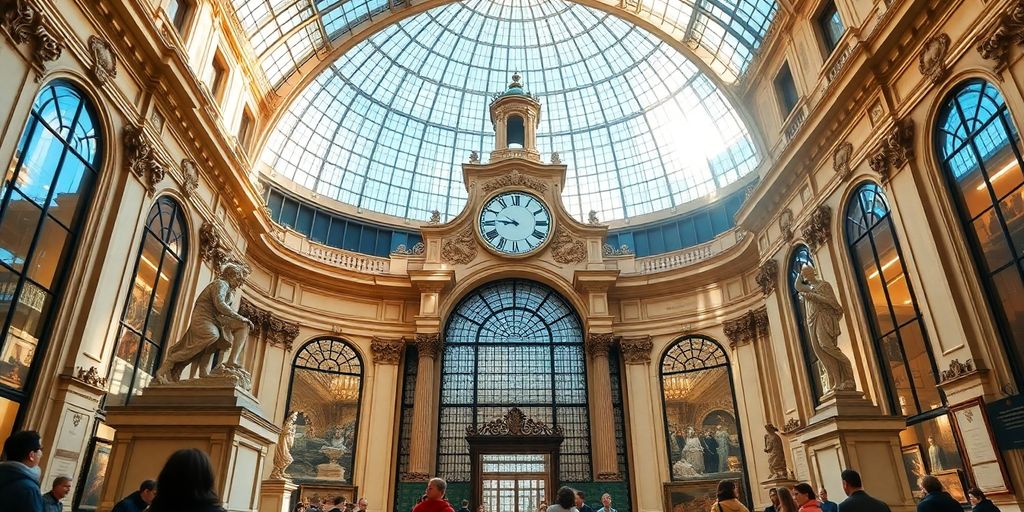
x=362 y=504
x=806 y=498
x=824 y=503
x=465 y=506
x=435 y=501
x=581 y=504
x=60 y=488
x=980 y=502
x=138 y=500
x=300 y=507
x=786 y=501
x=565 y=501
x=936 y=499
x=727 y=498
x=542 y=506
x=773 y=496
x=186 y=483
x=337 y=504
x=606 y=503
x=350 y=506
x=19 y=473
x=857 y=500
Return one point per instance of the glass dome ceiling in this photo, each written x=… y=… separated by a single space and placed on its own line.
x=387 y=126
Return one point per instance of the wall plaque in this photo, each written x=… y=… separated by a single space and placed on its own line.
x=978 y=447
x=1007 y=416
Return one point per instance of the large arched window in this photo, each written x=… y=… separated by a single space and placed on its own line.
x=889 y=303
x=701 y=422
x=802 y=257
x=980 y=153
x=326 y=387
x=150 y=302
x=513 y=343
x=42 y=203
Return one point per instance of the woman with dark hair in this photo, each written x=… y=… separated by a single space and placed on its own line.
x=806 y=498
x=565 y=501
x=186 y=483
x=980 y=502
x=727 y=501
x=786 y=501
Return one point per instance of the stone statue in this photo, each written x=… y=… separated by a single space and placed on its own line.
x=821 y=316
x=214 y=328
x=435 y=216
x=776 y=452
x=592 y=218
x=285 y=441
x=474 y=157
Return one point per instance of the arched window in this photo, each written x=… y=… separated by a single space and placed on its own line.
x=889 y=303
x=42 y=204
x=325 y=391
x=802 y=257
x=980 y=153
x=150 y=302
x=702 y=432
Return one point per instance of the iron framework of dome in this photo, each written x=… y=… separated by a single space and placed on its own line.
x=640 y=126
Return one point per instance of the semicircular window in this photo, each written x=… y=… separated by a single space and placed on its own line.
x=326 y=386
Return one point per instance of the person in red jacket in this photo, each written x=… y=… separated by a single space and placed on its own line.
x=435 y=498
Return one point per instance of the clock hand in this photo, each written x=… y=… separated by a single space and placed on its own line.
x=510 y=221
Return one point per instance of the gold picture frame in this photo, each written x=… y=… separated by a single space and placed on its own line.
x=953 y=483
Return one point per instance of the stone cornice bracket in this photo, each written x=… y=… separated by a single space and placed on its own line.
x=460 y=248
x=636 y=349
x=599 y=343
x=272 y=328
x=386 y=350
x=567 y=248
x=748 y=328
x=104 y=60
x=1008 y=31
x=26 y=25
x=841 y=160
x=429 y=344
x=767 y=276
x=932 y=61
x=515 y=179
x=817 y=231
x=896 y=149
x=142 y=159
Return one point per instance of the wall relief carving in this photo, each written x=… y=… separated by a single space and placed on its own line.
x=786 y=223
x=767 y=275
x=142 y=158
x=386 y=351
x=818 y=230
x=190 y=177
x=566 y=248
x=91 y=377
x=636 y=349
x=104 y=61
x=459 y=249
x=896 y=149
x=26 y=26
x=275 y=330
x=514 y=423
x=623 y=250
x=841 y=160
x=1008 y=32
x=748 y=328
x=932 y=62
x=515 y=179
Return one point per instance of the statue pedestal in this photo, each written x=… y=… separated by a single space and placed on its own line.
x=848 y=431
x=221 y=420
x=276 y=495
x=772 y=483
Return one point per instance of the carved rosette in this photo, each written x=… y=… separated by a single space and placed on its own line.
x=1008 y=31
x=818 y=230
x=27 y=26
x=636 y=349
x=932 y=62
x=896 y=150
x=841 y=160
x=104 y=61
x=459 y=249
x=767 y=276
x=748 y=328
x=142 y=158
x=514 y=423
x=515 y=179
x=386 y=351
x=276 y=331
x=957 y=370
x=429 y=344
x=598 y=343
x=190 y=177
x=566 y=248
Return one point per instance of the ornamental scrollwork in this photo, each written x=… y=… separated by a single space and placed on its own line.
x=766 y=277
x=623 y=250
x=1009 y=31
x=636 y=349
x=459 y=249
x=142 y=158
x=818 y=230
x=515 y=179
x=896 y=150
x=415 y=250
x=599 y=343
x=104 y=61
x=792 y=424
x=514 y=423
x=386 y=351
x=932 y=62
x=26 y=25
x=566 y=248
x=275 y=330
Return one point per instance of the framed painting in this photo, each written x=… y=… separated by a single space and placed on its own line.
x=915 y=467
x=90 y=485
x=953 y=482
x=692 y=496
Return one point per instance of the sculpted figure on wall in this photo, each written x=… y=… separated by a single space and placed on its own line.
x=214 y=328
x=822 y=312
x=776 y=452
x=283 y=454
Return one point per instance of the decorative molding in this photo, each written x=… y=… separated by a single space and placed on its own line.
x=767 y=276
x=104 y=60
x=515 y=179
x=566 y=248
x=142 y=159
x=748 y=328
x=1009 y=31
x=514 y=423
x=91 y=377
x=598 y=343
x=896 y=149
x=786 y=223
x=792 y=424
x=932 y=61
x=459 y=249
x=26 y=25
x=623 y=250
x=416 y=250
x=415 y=477
x=386 y=351
x=957 y=370
x=818 y=229
x=272 y=328
x=636 y=349
x=841 y=160
x=190 y=177
x=429 y=344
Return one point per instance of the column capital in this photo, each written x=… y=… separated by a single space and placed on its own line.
x=598 y=343
x=636 y=349
x=386 y=350
x=429 y=344
x=749 y=327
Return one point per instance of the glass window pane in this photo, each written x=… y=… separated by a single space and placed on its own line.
x=50 y=253
x=994 y=245
x=41 y=162
x=162 y=300
x=938 y=445
x=892 y=353
x=871 y=273
x=123 y=367
x=74 y=180
x=17 y=229
x=23 y=335
x=1012 y=208
x=925 y=383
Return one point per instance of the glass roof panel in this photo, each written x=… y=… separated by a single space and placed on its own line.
x=387 y=126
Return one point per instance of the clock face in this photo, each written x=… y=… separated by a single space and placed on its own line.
x=515 y=223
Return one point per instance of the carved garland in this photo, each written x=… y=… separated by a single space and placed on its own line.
x=26 y=25
x=386 y=351
x=514 y=423
x=750 y=327
x=566 y=248
x=818 y=230
x=276 y=331
x=104 y=61
x=460 y=249
x=932 y=62
x=515 y=179
x=1009 y=31
x=142 y=158
x=636 y=350
x=767 y=276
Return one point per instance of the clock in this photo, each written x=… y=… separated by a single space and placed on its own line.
x=515 y=223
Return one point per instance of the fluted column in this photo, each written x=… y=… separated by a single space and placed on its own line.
x=376 y=483
x=636 y=352
x=602 y=425
x=423 y=414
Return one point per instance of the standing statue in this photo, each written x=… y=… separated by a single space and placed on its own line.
x=214 y=328
x=776 y=452
x=821 y=315
x=285 y=441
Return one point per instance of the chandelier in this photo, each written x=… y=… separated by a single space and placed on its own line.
x=678 y=386
x=344 y=388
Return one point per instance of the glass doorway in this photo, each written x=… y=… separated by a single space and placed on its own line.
x=514 y=482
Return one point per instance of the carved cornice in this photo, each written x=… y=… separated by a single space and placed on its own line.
x=26 y=26
x=1008 y=31
x=104 y=60
x=276 y=331
x=386 y=351
x=896 y=149
x=429 y=344
x=957 y=370
x=459 y=249
x=636 y=349
x=566 y=248
x=766 y=277
x=818 y=229
x=748 y=328
x=932 y=61
x=515 y=179
x=598 y=343
x=514 y=423
x=190 y=177
x=841 y=160
x=142 y=158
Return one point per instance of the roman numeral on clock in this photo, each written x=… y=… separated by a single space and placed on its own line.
x=538 y=235
x=492 y=234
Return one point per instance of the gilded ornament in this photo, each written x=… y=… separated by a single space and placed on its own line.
x=1009 y=31
x=767 y=276
x=386 y=351
x=566 y=248
x=514 y=423
x=841 y=160
x=818 y=230
x=429 y=344
x=932 y=62
x=515 y=179
x=104 y=61
x=636 y=349
x=459 y=249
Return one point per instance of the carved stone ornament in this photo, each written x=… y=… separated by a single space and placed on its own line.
x=211 y=244
x=566 y=248
x=276 y=331
x=555 y=158
x=767 y=276
x=896 y=150
x=748 y=328
x=386 y=351
x=48 y=48
x=429 y=344
x=416 y=250
x=841 y=160
x=104 y=61
x=1009 y=31
x=459 y=249
x=474 y=157
x=190 y=177
x=283 y=453
x=792 y=424
x=636 y=349
x=515 y=179
x=598 y=343
x=435 y=217
x=932 y=62
x=25 y=25
x=957 y=370
x=592 y=218
x=817 y=231
x=515 y=424
x=142 y=158
x=623 y=250
x=786 y=223
x=91 y=377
